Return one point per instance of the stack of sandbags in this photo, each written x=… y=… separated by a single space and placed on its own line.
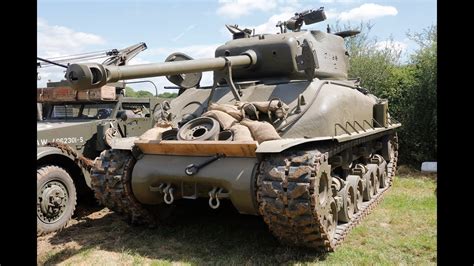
x=271 y=106
x=229 y=109
x=261 y=130
x=225 y=120
x=155 y=132
x=241 y=133
x=277 y=107
x=233 y=117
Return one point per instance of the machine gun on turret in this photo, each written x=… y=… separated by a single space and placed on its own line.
x=308 y=17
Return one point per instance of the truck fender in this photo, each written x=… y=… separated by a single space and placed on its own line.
x=45 y=151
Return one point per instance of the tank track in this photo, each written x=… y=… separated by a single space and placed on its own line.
x=393 y=163
x=110 y=181
x=289 y=201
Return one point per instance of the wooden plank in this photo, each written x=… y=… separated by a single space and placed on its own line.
x=68 y=94
x=56 y=94
x=104 y=93
x=198 y=148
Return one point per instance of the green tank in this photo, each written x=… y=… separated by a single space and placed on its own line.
x=282 y=134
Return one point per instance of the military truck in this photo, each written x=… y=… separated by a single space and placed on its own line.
x=73 y=128
x=70 y=135
x=283 y=133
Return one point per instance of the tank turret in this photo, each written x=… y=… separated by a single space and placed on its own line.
x=296 y=54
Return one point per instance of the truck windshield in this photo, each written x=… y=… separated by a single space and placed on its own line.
x=136 y=109
x=81 y=111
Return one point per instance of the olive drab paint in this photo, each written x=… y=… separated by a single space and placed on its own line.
x=335 y=140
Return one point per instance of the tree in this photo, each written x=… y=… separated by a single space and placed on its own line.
x=130 y=92
x=370 y=60
x=410 y=88
x=144 y=94
x=168 y=95
x=421 y=127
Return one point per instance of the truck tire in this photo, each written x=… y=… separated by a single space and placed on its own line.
x=55 y=198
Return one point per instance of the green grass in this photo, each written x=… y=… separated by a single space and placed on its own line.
x=401 y=230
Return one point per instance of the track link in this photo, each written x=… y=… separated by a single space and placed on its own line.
x=110 y=181
x=289 y=199
x=293 y=205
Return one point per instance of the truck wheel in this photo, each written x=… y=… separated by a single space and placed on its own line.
x=55 y=198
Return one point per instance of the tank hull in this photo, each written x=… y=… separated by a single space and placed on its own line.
x=328 y=104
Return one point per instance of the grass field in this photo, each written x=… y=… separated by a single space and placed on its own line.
x=401 y=230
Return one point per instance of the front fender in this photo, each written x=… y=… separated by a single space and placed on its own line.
x=43 y=152
x=46 y=151
x=277 y=146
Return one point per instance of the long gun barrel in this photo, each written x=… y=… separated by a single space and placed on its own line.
x=93 y=75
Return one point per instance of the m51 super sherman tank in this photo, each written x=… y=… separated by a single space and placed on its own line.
x=282 y=133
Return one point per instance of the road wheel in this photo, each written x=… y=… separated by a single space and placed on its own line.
x=374 y=178
x=367 y=180
x=55 y=198
x=356 y=182
x=348 y=194
x=330 y=218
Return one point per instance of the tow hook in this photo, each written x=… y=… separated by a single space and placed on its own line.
x=167 y=191
x=193 y=169
x=214 y=195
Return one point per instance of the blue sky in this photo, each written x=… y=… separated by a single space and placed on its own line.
x=196 y=27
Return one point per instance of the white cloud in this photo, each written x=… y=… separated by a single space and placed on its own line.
x=238 y=8
x=195 y=51
x=338 y=1
x=331 y=13
x=270 y=25
x=393 y=45
x=54 y=40
x=49 y=74
x=364 y=12
x=138 y=60
x=291 y=6
x=368 y=11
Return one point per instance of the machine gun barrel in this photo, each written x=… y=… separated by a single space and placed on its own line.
x=93 y=75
